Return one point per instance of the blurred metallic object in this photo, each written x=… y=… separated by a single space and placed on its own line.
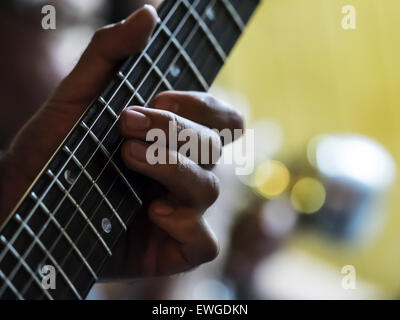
x=355 y=159
x=357 y=173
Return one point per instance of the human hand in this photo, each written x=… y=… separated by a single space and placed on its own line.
x=173 y=236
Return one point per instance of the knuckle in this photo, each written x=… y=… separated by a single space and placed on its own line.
x=168 y=100
x=125 y=155
x=121 y=123
x=182 y=164
x=236 y=120
x=163 y=94
x=214 y=187
x=216 y=142
x=211 y=251
x=210 y=101
x=215 y=146
x=99 y=35
x=174 y=121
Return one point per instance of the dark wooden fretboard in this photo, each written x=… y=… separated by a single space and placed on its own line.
x=84 y=199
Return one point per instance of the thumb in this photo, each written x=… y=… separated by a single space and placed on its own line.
x=40 y=137
x=109 y=46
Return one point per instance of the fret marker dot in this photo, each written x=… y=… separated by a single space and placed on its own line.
x=69 y=176
x=210 y=14
x=40 y=267
x=106 y=225
x=175 y=70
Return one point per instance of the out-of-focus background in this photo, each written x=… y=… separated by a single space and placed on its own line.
x=319 y=216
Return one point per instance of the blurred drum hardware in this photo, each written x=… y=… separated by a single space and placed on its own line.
x=193 y=39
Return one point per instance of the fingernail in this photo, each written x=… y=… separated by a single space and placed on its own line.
x=151 y=8
x=146 y=6
x=138 y=151
x=163 y=209
x=137 y=121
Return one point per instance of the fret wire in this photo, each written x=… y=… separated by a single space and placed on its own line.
x=122 y=200
x=122 y=76
x=171 y=64
x=54 y=177
x=99 y=236
x=119 y=204
x=63 y=232
x=236 y=18
x=79 y=164
x=120 y=73
x=170 y=14
x=189 y=61
x=172 y=38
x=14 y=237
x=108 y=108
x=82 y=213
x=135 y=94
x=48 y=254
x=216 y=46
x=21 y=261
x=95 y=120
x=51 y=218
x=154 y=37
x=110 y=159
x=134 y=91
x=11 y=286
x=189 y=38
x=159 y=73
x=93 y=136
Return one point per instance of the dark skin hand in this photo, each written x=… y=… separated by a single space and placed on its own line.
x=174 y=237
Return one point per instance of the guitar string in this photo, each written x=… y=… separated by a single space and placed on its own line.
x=21 y=227
x=124 y=198
x=171 y=13
x=196 y=51
x=176 y=31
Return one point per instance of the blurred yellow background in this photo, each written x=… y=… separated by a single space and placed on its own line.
x=300 y=68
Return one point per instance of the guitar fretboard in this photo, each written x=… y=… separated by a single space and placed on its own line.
x=84 y=199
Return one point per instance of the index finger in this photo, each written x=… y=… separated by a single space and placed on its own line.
x=201 y=108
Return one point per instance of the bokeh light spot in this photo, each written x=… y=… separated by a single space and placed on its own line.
x=308 y=195
x=271 y=178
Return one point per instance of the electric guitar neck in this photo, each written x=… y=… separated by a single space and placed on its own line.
x=84 y=199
